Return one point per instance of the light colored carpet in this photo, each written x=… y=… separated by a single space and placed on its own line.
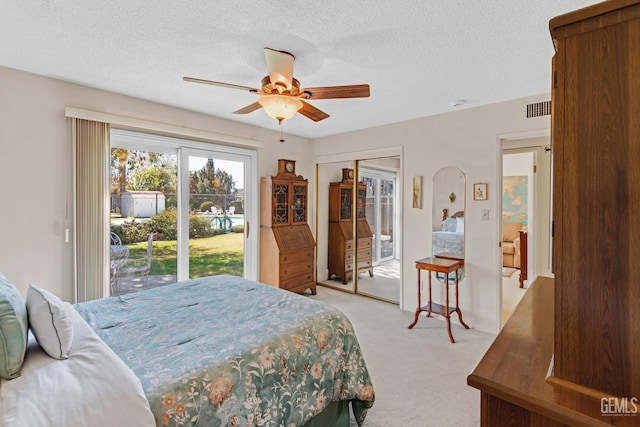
x=419 y=377
x=512 y=293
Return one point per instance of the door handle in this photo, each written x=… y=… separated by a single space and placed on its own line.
x=247 y=229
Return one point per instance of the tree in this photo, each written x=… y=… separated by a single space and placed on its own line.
x=119 y=170
x=142 y=170
x=156 y=177
x=210 y=180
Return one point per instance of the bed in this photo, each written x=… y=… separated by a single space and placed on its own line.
x=221 y=351
x=450 y=239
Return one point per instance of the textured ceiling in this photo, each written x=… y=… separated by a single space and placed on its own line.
x=417 y=55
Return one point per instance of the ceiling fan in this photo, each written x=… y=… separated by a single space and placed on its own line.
x=280 y=93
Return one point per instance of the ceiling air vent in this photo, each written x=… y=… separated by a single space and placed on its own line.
x=539 y=109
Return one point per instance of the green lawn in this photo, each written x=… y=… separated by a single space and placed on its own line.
x=221 y=254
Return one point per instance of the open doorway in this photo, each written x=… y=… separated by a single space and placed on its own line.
x=526 y=231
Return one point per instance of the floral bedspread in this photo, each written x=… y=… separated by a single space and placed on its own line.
x=223 y=350
x=445 y=241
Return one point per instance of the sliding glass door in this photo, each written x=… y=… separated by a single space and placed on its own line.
x=180 y=207
x=381 y=212
x=144 y=180
x=215 y=203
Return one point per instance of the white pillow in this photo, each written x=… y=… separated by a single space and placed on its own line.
x=459 y=225
x=49 y=322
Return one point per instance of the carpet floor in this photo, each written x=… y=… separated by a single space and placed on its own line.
x=419 y=377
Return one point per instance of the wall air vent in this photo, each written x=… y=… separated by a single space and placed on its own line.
x=539 y=109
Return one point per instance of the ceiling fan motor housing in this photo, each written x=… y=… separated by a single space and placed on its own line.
x=280 y=88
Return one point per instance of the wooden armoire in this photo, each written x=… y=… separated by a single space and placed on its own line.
x=341 y=244
x=287 y=247
x=570 y=354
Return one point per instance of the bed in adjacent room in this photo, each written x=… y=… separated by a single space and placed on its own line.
x=225 y=351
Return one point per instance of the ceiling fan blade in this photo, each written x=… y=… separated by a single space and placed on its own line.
x=249 y=108
x=280 y=66
x=214 y=83
x=312 y=112
x=331 y=92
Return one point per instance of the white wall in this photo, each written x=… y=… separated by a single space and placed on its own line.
x=36 y=177
x=36 y=170
x=467 y=139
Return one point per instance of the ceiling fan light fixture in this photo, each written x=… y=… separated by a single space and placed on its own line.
x=280 y=107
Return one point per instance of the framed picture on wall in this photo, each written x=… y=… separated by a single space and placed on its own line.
x=480 y=191
x=417 y=191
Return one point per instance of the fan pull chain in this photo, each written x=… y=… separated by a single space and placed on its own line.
x=281 y=136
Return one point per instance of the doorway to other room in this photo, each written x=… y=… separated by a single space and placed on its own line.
x=526 y=231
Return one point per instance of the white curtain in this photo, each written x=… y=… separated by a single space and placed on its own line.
x=91 y=147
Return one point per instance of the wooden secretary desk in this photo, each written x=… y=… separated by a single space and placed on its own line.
x=286 y=243
x=341 y=245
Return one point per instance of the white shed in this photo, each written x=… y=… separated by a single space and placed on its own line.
x=141 y=204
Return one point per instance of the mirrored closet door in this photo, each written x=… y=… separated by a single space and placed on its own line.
x=358 y=230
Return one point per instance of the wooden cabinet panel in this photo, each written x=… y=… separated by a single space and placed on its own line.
x=364 y=258
x=296 y=283
x=498 y=413
x=303 y=257
x=341 y=244
x=341 y=250
x=596 y=180
x=365 y=243
x=294 y=264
